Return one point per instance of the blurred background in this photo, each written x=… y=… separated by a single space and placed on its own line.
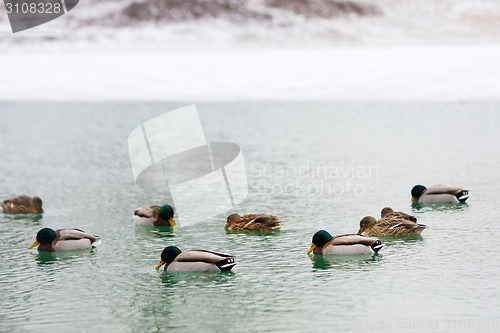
x=195 y=23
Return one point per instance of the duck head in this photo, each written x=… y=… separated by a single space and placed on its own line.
x=366 y=224
x=386 y=211
x=37 y=202
x=320 y=238
x=167 y=213
x=44 y=236
x=231 y=219
x=168 y=255
x=417 y=191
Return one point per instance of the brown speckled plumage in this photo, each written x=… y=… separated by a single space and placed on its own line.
x=23 y=205
x=389 y=227
x=389 y=213
x=252 y=222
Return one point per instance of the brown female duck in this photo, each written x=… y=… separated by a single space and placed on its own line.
x=252 y=222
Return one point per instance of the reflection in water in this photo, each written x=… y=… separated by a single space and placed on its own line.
x=26 y=217
x=329 y=261
x=388 y=240
x=195 y=279
x=418 y=207
x=156 y=231
x=46 y=258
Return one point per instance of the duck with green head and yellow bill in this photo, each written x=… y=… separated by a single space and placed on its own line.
x=195 y=261
x=52 y=240
x=439 y=194
x=389 y=227
x=155 y=215
x=324 y=243
x=22 y=205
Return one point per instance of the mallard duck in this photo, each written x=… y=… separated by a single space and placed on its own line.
x=389 y=227
x=253 y=222
x=389 y=213
x=23 y=205
x=324 y=243
x=439 y=194
x=195 y=261
x=64 y=239
x=155 y=215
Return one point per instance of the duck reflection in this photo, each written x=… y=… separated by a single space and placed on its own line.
x=195 y=279
x=45 y=258
x=25 y=217
x=418 y=207
x=332 y=261
x=155 y=231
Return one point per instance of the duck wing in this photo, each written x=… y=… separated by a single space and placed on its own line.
x=406 y=216
x=264 y=222
x=223 y=261
x=147 y=212
x=74 y=234
x=435 y=193
x=17 y=205
x=409 y=226
x=443 y=189
x=351 y=240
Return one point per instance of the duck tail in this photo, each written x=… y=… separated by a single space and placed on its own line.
x=376 y=246
x=462 y=196
x=226 y=264
x=419 y=228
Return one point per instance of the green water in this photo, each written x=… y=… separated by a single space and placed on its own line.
x=315 y=165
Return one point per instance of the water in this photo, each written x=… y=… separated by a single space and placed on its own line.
x=315 y=165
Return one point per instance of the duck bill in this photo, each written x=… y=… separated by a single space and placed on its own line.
x=313 y=246
x=34 y=244
x=160 y=264
x=412 y=199
x=171 y=222
x=360 y=231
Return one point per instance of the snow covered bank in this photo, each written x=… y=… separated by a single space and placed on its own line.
x=173 y=24
x=366 y=73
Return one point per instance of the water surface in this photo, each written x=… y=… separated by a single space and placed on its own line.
x=315 y=165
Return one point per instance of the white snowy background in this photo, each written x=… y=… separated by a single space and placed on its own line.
x=199 y=50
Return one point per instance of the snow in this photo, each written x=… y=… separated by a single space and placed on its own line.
x=421 y=50
x=451 y=73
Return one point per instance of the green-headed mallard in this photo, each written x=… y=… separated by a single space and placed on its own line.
x=253 y=222
x=439 y=194
x=23 y=205
x=64 y=239
x=324 y=243
x=389 y=227
x=155 y=215
x=195 y=260
x=389 y=213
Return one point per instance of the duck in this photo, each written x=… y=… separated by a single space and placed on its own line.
x=195 y=261
x=389 y=213
x=252 y=222
x=324 y=243
x=52 y=240
x=389 y=227
x=155 y=215
x=23 y=205
x=439 y=194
